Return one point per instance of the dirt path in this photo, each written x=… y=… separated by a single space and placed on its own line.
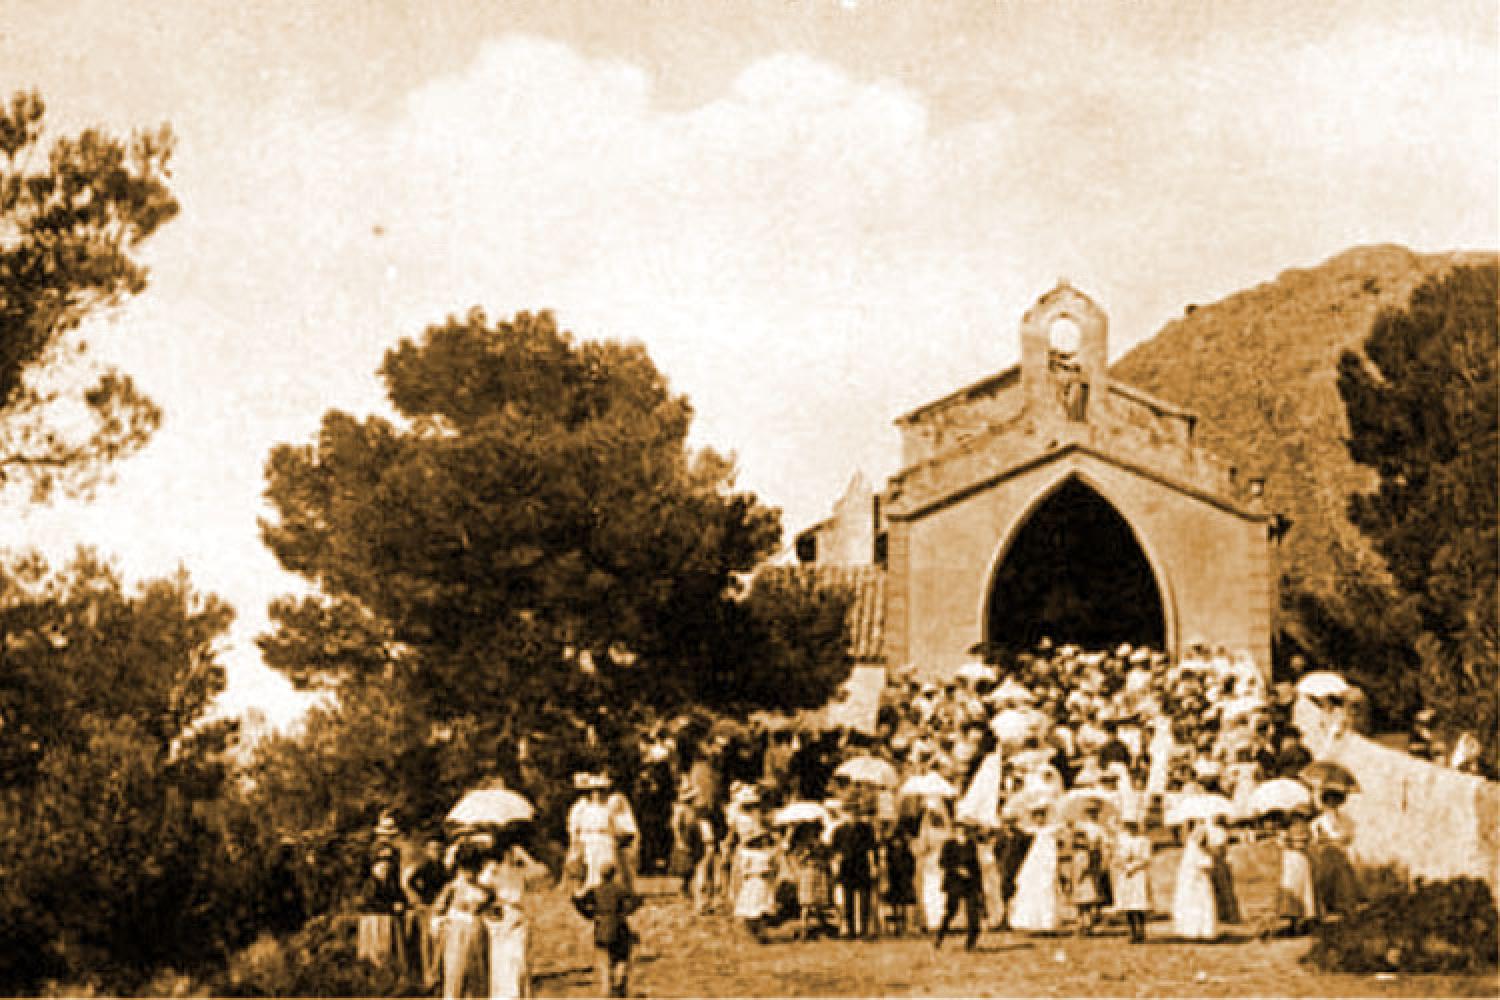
x=684 y=955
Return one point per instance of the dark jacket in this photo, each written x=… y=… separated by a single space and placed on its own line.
x=855 y=845
x=1010 y=852
x=609 y=905
x=427 y=880
x=960 y=864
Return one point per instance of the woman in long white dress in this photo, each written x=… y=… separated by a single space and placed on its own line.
x=1160 y=750
x=507 y=922
x=1194 y=911
x=1035 y=906
x=931 y=836
x=459 y=905
x=595 y=827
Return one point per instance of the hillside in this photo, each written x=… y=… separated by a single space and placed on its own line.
x=1259 y=368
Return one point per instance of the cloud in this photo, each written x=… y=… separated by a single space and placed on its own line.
x=804 y=254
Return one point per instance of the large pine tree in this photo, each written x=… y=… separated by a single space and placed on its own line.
x=1422 y=407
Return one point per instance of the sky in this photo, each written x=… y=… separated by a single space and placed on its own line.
x=815 y=214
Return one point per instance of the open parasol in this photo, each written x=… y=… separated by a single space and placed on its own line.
x=800 y=812
x=1011 y=692
x=491 y=807
x=977 y=672
x=1322 y=684
x=1322 y=774
x=931 y=784
x=1198 y=805
x=1011 y=725
x=1278 y=795
x=869 y=771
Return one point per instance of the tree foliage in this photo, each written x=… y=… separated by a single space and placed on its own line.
x=1424 y=413
x=533 y=544
x=73 y=217
x=110 y=840
x=795 y=640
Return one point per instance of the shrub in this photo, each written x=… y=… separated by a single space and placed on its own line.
x=318 y=960
x=1447 y=926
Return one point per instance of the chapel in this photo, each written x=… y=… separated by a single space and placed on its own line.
x=1051 y=501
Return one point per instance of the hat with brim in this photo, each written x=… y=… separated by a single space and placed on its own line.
x=387 y=827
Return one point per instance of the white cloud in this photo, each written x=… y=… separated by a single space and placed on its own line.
x=804 y=255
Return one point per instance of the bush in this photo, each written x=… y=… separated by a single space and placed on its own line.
x=1447 y=926
x=318 y=960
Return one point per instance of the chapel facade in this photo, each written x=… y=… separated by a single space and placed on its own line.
x=1052 y=501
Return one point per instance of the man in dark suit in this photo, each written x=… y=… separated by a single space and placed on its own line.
x=855 y=848
x=962 y=885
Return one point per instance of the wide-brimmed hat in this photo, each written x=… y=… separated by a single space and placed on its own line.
x=387 y=826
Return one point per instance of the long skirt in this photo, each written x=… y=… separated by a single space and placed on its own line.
x=1334 y=878
x=1296 y=896
x=424 y=944
x=1035 y=906
x=994 y=895
x=1133 y=891
x=379 y=939
x=510 y=973
x=464 y=957
x=1226 y=901
x=756 y=899
x=934 y=901
x=1194 y=912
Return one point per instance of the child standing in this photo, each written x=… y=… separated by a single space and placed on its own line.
x=814 y=882
x=755 y=861
x=900 y=878
x=1296 y=897
x=1132 y=882
x=609 y=905
x=962 y=885
x=1083 y=880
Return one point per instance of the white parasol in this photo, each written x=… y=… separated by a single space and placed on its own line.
x=977 y=672
x=1322 y=684
x=1011 y=725
x=931 y=784
x=1278 y=795
x=1198 y=805
x=1011 y=692
x=869 y=771
x=491 y=807
x=800 y=812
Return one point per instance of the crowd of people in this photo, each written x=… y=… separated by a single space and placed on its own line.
x=1030 y=796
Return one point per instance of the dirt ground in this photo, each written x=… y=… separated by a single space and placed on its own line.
x=684 y=955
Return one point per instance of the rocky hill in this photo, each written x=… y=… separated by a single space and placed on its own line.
x=1260 y=369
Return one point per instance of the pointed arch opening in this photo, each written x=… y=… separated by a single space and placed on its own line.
x=1075 y=572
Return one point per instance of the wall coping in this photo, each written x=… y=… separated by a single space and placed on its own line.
x=956 y=496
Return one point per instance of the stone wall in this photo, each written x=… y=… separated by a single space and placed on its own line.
x=1432 y=820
